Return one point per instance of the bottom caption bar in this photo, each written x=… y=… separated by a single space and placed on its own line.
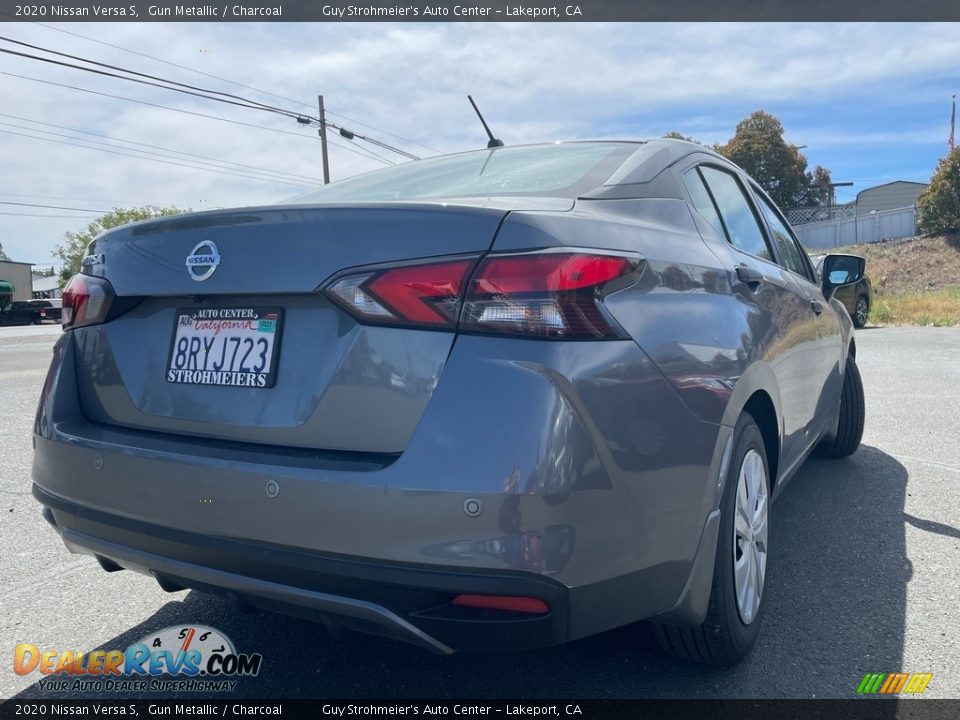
x=854 y=709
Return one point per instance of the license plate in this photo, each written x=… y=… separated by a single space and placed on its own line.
x=225 y=346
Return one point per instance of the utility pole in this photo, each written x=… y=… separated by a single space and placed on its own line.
x=833 y=196
x=323 y=142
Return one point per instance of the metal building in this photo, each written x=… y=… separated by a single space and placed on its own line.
x=19 y=276
x=46 y=287
x=890 y=196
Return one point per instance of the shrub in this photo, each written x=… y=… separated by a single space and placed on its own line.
x=940 y=202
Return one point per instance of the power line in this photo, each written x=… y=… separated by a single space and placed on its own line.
x=113 y=202
x=52 y=207
x=350 y=135
x=156 y=105
x=192 y=90
x=385 y=132
x=39 y=215
x=179 y=87
x=158 y=160
x=356 y=151
x=232 y=82
x=149 y=155
x=281 y=173
x=221 y=171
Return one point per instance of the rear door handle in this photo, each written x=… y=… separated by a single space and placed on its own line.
x=749 y=276
x=817 y=306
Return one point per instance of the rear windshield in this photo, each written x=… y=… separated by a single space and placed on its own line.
x=561 y=170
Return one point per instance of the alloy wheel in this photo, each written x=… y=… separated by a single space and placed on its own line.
x=861 y=310
x=750 y=530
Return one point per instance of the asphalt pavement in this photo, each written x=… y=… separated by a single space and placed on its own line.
x=864 y=574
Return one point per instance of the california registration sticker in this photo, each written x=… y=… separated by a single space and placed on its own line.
x=267 y=323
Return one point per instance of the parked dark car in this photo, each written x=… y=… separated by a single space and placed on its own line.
x=22 y=312
x=53 y=309
x=857 y=297
x=500 y=399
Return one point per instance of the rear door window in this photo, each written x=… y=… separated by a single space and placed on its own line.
x=743 y=229
x=702 y=201
x=790 y=252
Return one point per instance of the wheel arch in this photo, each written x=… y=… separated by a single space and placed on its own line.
x=756 y=393
x=760 y=407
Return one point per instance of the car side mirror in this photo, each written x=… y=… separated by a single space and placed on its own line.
x=839 y=270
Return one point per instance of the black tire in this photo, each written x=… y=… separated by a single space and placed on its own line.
x=852 y=412
x=860 y=320
x=723 y=638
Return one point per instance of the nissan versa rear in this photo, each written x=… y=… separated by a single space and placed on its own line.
x=500 y=399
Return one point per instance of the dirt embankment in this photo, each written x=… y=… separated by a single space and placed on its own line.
x=911 y=265
x=916 y=281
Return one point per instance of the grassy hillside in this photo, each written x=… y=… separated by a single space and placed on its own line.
x=916 y=281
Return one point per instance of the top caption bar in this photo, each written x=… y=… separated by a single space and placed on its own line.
x=543 y=11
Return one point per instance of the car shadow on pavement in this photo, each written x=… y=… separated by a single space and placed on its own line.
x=836 y=611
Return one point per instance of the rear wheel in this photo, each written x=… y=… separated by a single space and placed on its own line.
x=861 y=311
x=852 y=412
x=739 y=575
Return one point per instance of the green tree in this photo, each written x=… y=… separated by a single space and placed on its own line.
x=674 y=135
x=73 y=249
x=940 y=201
x=778 y=166
x=818 y=191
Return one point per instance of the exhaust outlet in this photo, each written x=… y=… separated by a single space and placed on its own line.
x=48 y=516
x=107 y=564
x=167 y=585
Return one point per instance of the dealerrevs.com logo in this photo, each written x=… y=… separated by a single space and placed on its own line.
x=178 y=658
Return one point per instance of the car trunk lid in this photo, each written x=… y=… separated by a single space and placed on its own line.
x=336 y=384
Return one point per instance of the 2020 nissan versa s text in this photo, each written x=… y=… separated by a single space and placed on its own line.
x=500 y=399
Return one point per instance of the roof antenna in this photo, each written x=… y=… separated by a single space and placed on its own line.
x=494 y=142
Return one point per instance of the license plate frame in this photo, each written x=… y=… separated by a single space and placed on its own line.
x=202 y=370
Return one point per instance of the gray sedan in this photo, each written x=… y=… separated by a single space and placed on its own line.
x=499 y=399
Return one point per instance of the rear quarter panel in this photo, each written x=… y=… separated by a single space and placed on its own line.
x=683 y=312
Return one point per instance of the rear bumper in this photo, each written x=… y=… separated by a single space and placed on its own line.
x=403 y=602
x=605 y=514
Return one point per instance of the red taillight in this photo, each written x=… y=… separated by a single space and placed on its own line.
x=503 y=602
x=542 y=294
x=549 y=295
x=86 y=301
x=409 y=295
x=545 y=273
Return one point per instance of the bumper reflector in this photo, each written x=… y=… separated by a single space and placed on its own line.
x=503 y=602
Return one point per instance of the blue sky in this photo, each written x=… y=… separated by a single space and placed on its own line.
x=866 y=141
x=871 y=101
